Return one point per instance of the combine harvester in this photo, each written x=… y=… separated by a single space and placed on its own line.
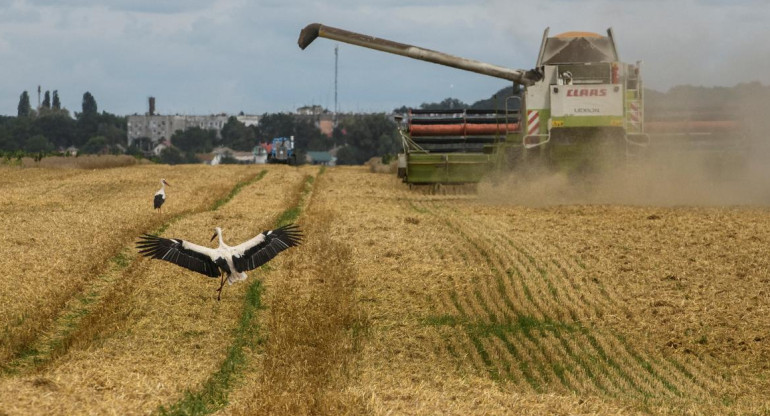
x=579 y=107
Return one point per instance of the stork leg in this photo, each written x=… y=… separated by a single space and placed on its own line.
x=221 y=285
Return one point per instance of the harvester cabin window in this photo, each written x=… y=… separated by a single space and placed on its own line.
x=593 y=73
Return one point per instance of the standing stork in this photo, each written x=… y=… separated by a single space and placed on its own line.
x=160 y=196
x=226 y=262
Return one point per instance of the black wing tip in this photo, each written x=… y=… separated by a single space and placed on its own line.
x=290 y=234
x=147 y=239
x=288 y=227
x=292 y=237
x=149 y=245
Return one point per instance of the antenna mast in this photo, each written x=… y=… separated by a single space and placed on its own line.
x=336 y=108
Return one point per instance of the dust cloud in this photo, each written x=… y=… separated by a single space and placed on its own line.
x=676 y=180
x=718 y=168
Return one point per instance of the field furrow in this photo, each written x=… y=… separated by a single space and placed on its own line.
x=554 y=294
x=397 y=302
x=152 y=325
x=102 y=211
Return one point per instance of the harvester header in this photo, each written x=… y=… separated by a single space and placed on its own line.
x=315 y=30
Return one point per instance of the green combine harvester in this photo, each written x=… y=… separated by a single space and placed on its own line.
x=577 y=110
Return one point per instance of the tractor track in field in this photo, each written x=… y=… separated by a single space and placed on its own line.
x=528 y=319
x=60 y=337
x=214 y=393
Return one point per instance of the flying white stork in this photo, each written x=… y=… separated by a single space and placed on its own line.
x=160 y=196
x=224 y=261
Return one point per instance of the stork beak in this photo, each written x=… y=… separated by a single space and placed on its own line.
x=168 y=184
x=213 y=237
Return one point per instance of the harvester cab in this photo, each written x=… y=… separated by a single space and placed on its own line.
x=586 y=100
x=578 y=101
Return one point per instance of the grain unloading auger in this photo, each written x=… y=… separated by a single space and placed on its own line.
x=579 y=107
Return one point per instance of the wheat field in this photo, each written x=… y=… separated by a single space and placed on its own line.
x=397 y=302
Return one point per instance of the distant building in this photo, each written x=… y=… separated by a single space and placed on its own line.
x=325 y=123
x=310 y=110
x=160 y=128
x=260 y=152
x=323 y=119
x=160 y=147
x=241 y=157
x=248 y=120
x=320 y=158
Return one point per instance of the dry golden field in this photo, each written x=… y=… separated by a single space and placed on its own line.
x=398 y=301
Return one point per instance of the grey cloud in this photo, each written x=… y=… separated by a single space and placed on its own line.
x=143 y=6
x=241 y=55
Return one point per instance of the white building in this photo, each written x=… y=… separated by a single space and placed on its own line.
x=248 y=119
x=160 y=128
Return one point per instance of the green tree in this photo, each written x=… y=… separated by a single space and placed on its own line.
x=59 y=127
x=115 y=135
x=349 y=155
x=497 y=101
x=47 y=100
x=446 y=104
x=173 y=156
x=89 y=104
x=38 y=144
x=238 y=136
x=95 y=145
x=7 y=142
x=366 y=136
x=275 y=125
x=87 y=120
x=306 y=134
x=56 y=103
x=22 y=129
x=114 y=129
x=500 y=100
x=24 y=109
x=194 y=140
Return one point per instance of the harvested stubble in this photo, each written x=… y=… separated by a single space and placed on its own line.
x=312 y=327
x=408 y=303
x=460 y=293
x=158 y=329
x=65 y=225
x=418 y=357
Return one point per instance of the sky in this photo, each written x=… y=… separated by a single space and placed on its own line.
x=228 y=56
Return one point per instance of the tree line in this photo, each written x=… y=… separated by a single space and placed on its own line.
x=357 y=137
x=50 y=129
